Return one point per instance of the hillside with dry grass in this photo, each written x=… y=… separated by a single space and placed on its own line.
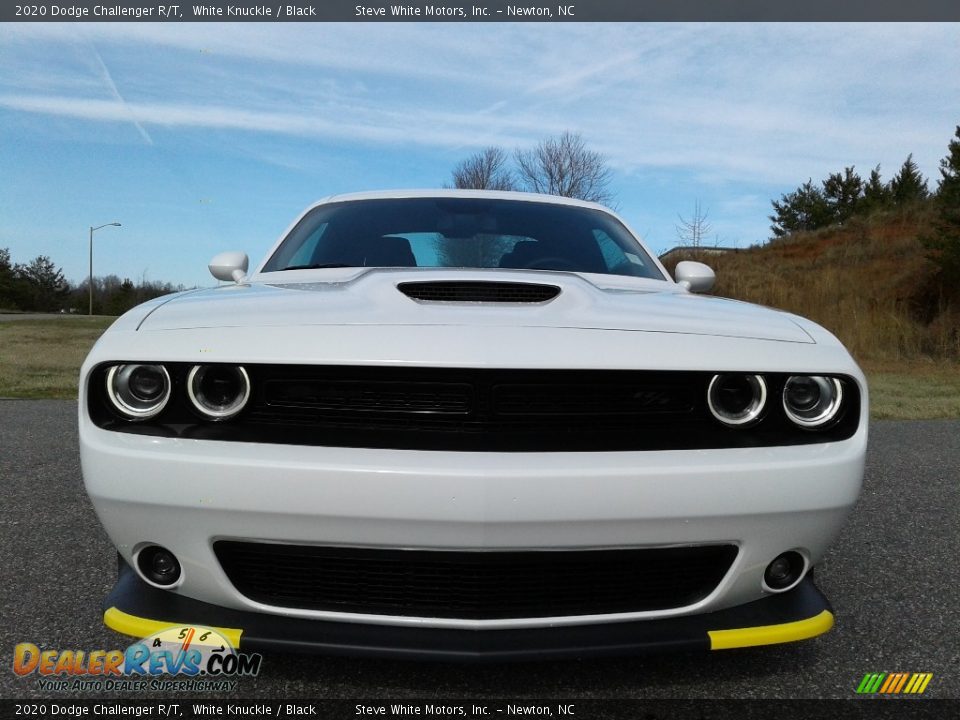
x=868 y=281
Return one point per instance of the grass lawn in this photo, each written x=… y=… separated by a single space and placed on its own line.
x=914 y=389
x=42 y=358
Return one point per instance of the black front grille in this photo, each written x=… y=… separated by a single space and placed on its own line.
x=471 y=409
x=599 y=399
x=479 y=291
x=474 y=584
x=384 y=396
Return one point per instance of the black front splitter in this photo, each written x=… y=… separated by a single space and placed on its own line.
x=135 y=608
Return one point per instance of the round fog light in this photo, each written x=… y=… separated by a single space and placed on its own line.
x=784 y=571
x=158 y=565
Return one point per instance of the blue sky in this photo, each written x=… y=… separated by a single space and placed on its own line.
x=204 y=137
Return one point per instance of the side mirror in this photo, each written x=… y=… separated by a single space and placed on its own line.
x=230 y=266
x=694 y=276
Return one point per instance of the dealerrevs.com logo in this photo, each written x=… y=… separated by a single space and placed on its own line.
x=194 y=658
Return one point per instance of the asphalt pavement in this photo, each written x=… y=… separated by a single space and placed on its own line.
x=892 y=577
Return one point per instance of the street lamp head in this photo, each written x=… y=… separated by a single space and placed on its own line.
x=115 y=224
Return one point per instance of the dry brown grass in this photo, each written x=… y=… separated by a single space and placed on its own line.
x=42 y=358
x=868 y=282
x=871 y=284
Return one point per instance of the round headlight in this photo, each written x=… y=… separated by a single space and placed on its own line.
x=138 y=391
x=736 y=399
x=812 y=400
x=218 y=391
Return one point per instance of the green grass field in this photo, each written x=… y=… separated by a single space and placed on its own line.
x=914 y=389
x=42 y=358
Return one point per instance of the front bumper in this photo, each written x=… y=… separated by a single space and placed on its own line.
x=187 y=494
x=137 y=609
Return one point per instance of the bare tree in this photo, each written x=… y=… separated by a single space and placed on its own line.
x=565 y=166
x=692 y=231
x=485 y=170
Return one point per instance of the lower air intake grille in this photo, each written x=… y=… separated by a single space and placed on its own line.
x=480 y=291
x=474 y=584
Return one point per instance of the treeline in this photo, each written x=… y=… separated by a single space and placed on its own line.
x=845 y=195
x=40 y=286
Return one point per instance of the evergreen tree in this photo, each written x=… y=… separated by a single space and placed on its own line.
x=7 y=281
x=908 y=185
x=876 y=194
x=805 y=208
x=944 y=239
x=45 y=285
x=842 y=192
x=122 y=299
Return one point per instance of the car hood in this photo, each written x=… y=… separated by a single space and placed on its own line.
x=371 y=297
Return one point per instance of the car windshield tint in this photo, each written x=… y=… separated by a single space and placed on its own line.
x=462 y=233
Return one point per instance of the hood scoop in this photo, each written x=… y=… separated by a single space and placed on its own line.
x=479 y=291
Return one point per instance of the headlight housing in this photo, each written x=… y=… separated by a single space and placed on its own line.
x=218 y=392
x=812 y=401
x=737 y=399
x=138 y=391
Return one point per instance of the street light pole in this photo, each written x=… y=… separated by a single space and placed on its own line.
x=90 y=279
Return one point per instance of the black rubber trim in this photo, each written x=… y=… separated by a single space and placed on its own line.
x=274 y=633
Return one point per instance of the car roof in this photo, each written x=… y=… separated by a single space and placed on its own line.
x=451 y=193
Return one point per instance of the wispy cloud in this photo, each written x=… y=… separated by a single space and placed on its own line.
x=769 y=103
x=112 y=87
x=396 y=126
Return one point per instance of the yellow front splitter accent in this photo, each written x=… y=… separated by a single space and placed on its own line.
x=134 y=626
x=771 y=634
x=127 y=624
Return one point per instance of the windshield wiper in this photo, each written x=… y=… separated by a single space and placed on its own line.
x=317 y=266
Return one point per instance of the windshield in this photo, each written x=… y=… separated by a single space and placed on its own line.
x=462 y=233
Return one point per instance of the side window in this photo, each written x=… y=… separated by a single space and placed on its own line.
x=307 y=252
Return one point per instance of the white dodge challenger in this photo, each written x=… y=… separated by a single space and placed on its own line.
x=469 y=425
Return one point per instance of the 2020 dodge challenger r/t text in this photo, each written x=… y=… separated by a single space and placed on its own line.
x=469 y=424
